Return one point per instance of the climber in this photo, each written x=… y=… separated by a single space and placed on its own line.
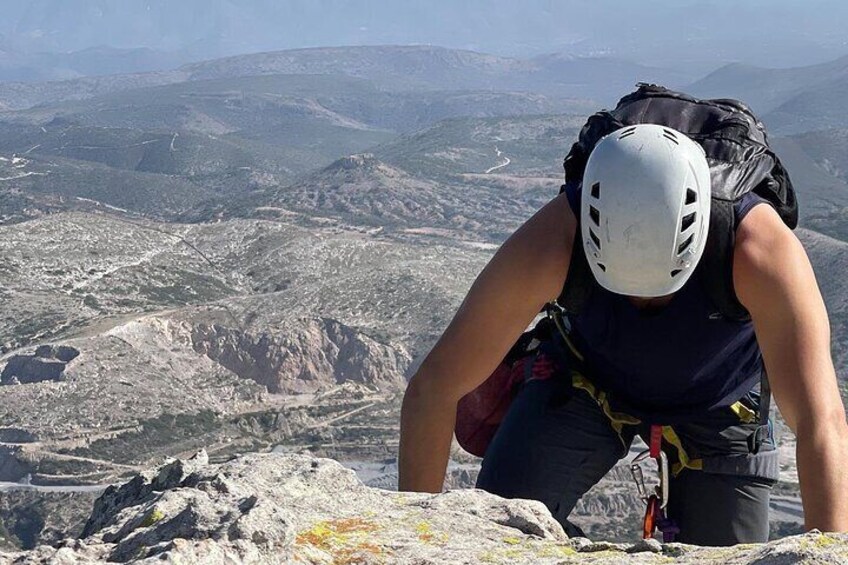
x=666 y=334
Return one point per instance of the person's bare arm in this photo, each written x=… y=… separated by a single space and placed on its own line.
x=775 y=281
x=527 y=272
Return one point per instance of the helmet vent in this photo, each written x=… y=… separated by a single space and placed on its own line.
x=627 y=132
x=595 y=238
x=683 y=246
x=596 y=190
x=687 y=221
x=602 y=267
x=676 y=272
x=691 y=196
x=595 y=215
x=669 y=135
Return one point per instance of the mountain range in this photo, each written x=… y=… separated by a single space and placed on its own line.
x=253 y=253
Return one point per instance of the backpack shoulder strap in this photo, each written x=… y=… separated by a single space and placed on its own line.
x=715 y=269
x=580 y=282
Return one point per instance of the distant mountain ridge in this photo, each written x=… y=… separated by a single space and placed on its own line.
x=412 y=63
x=788 y=100
x=224 y=135
x=764 y=89
x=401 y=67
x=418 y=68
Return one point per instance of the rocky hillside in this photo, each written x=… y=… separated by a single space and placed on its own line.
x=29 y=518
x=362 y=189
x=294 y=508
x=161 y=150
x=126 y=341
x=514 y=145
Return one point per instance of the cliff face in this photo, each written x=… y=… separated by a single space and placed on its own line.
x=284 y=508
x=322 y=353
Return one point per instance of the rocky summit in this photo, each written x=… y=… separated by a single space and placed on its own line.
x=295 y=508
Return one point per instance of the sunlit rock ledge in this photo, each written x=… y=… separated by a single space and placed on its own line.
x=287 y=508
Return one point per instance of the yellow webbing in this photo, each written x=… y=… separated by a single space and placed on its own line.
x=684 y=462
x=745 y=414
x=568 y=342
x=617 y=419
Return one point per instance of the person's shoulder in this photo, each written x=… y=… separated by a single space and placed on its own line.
x=557 y=216
x=765 y=250
x=543 y=244
x=553 y=228
x=761 y=236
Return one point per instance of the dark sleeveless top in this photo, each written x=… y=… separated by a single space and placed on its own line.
x=671 y=364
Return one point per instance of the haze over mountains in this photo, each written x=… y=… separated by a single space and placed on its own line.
x=255 y=251
x=44 y=39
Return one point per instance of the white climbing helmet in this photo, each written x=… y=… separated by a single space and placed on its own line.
x=645 y=210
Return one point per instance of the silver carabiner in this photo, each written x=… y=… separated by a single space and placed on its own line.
x=660 y=489
x=639 y=477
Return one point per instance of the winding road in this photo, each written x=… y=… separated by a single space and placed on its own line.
x=500 y=166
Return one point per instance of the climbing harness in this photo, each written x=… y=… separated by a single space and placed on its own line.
x=479 y=414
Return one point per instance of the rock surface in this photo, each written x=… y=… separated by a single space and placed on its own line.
x=31 y=518
x=46 y=364
x=286 y=508
x=322 y=351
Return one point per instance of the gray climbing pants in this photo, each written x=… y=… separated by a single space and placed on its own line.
x=557 y=441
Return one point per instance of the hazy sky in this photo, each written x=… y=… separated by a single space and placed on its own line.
x=663 y=32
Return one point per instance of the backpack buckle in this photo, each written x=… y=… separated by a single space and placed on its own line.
x=758 y=437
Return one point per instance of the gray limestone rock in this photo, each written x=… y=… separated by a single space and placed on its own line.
x=650 y=545
x=294 y=508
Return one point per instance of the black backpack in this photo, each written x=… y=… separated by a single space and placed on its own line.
x=740 y=161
